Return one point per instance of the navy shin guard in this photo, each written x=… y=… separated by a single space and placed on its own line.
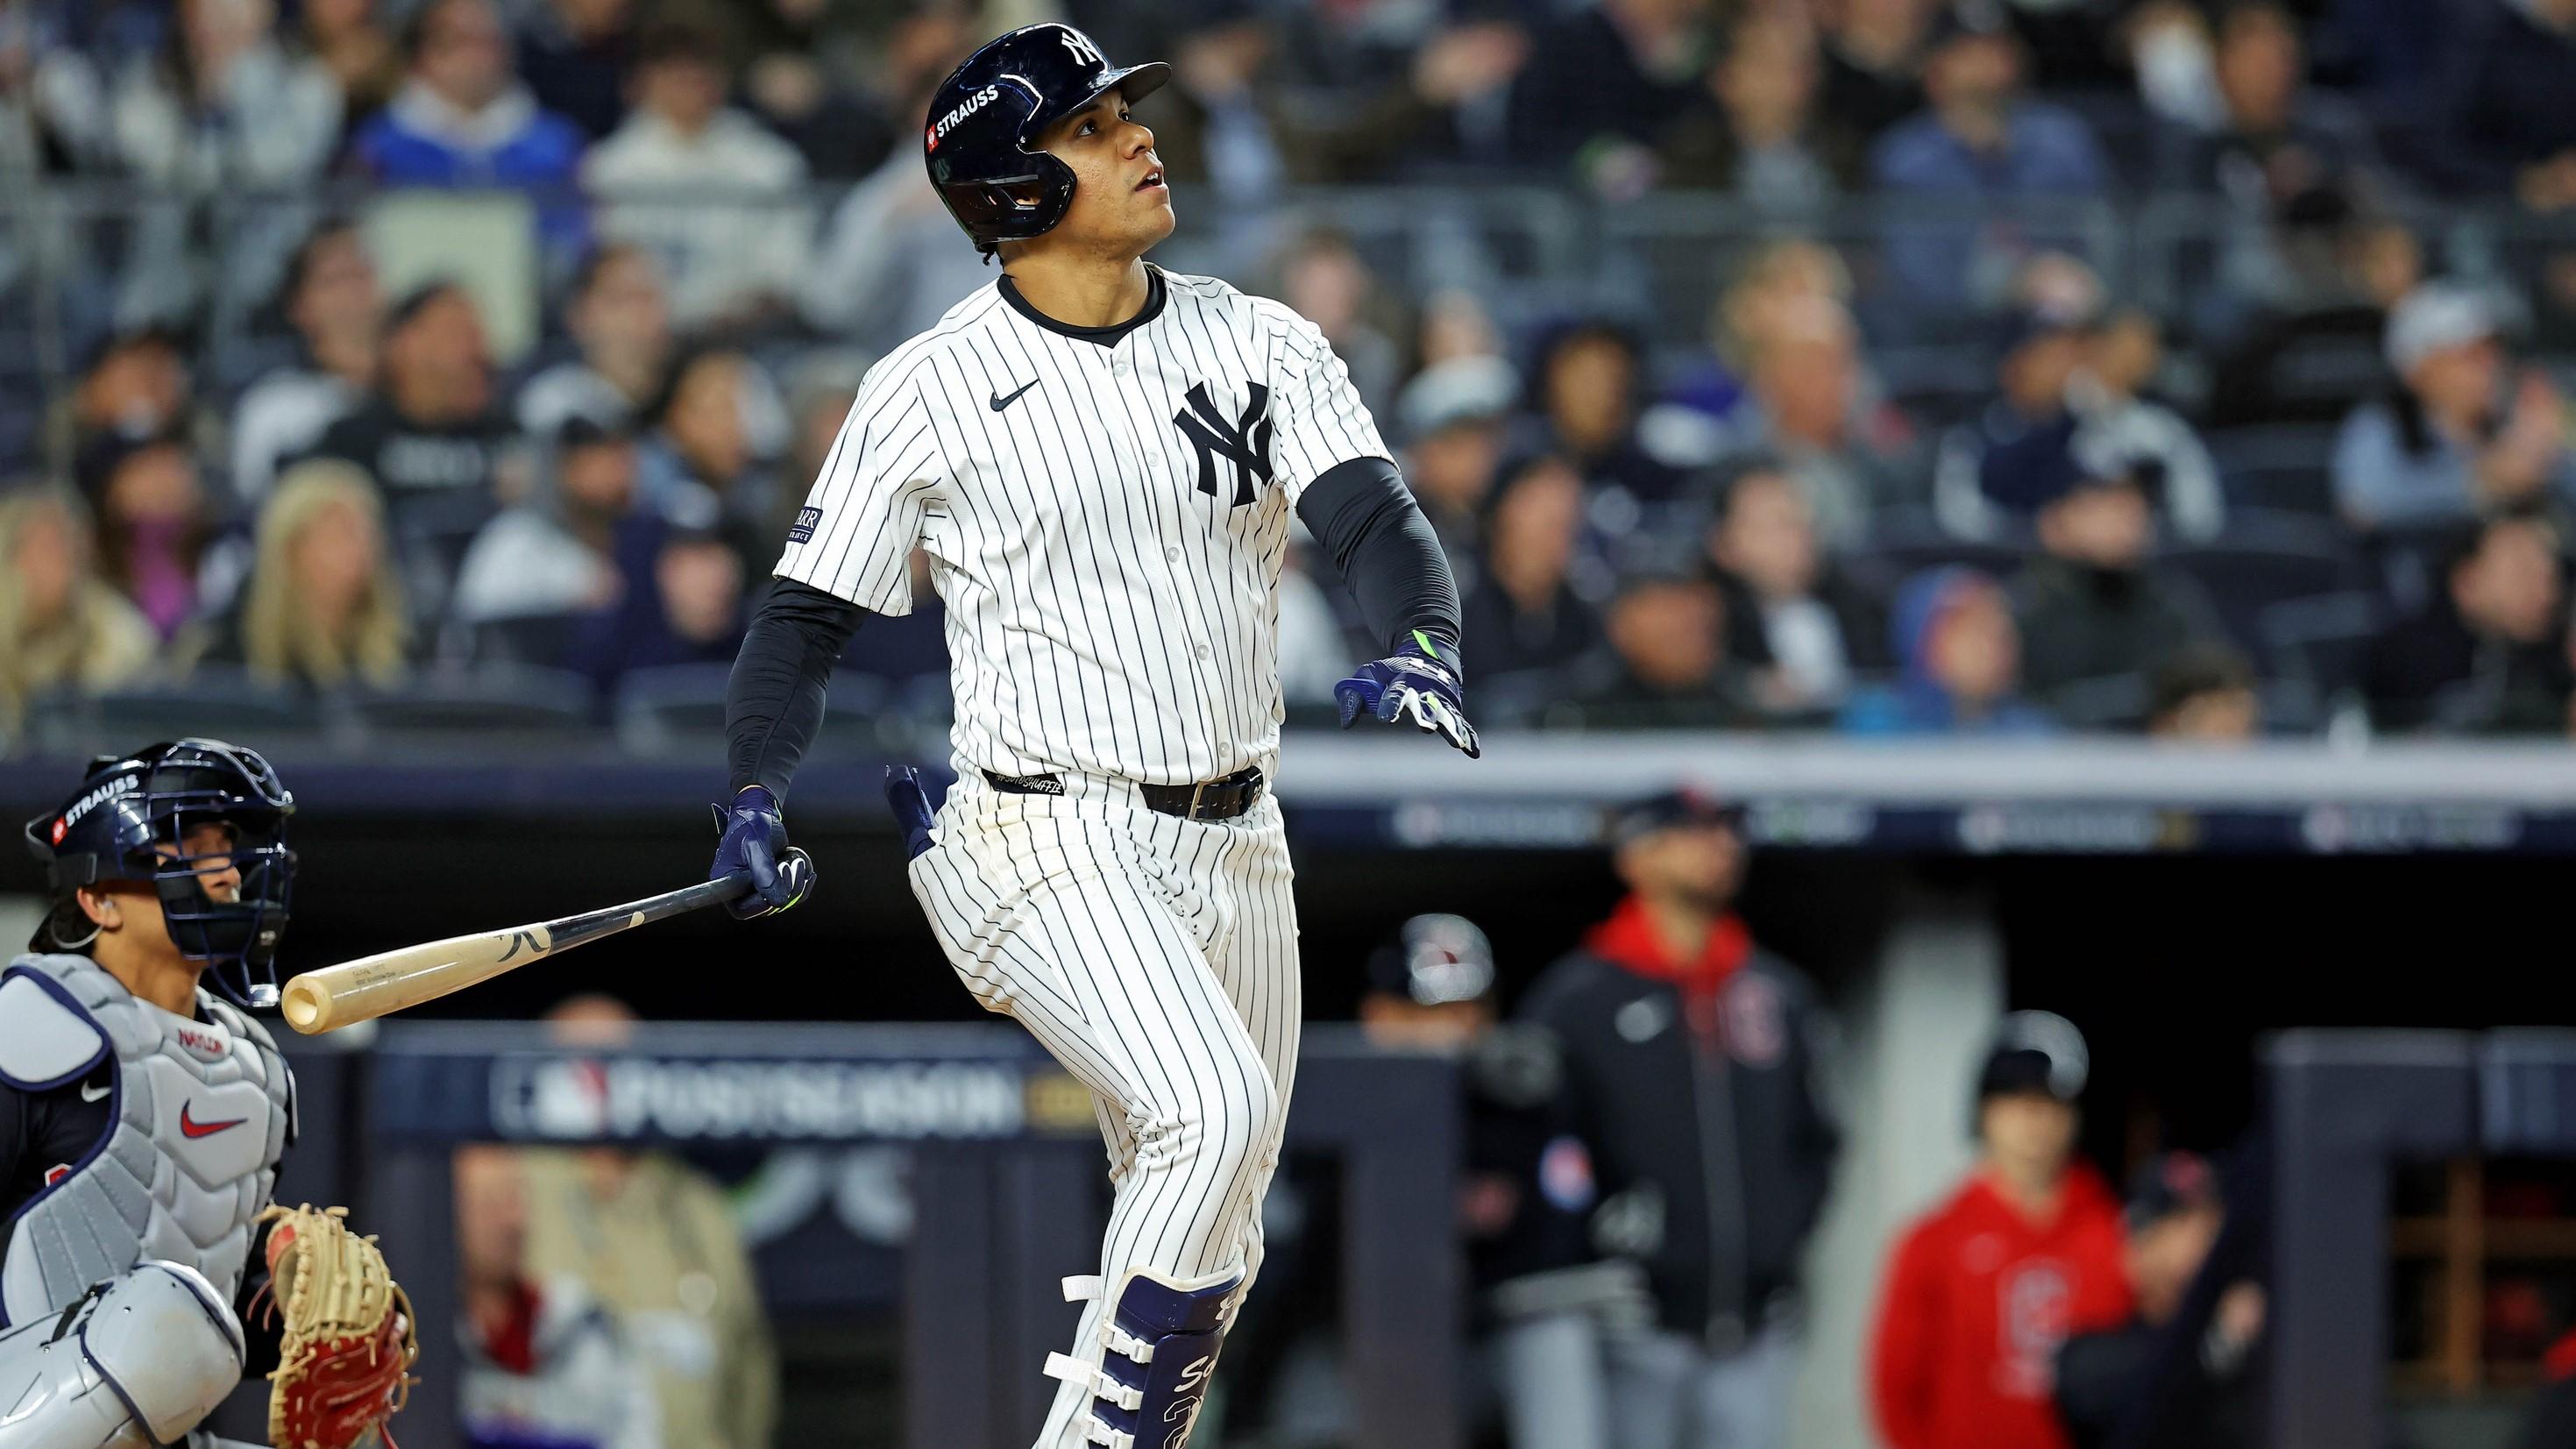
x=1157 y=1349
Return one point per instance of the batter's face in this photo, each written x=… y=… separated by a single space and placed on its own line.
x=1122 y=204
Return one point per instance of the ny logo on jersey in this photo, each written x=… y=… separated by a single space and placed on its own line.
x=1245 y=441
x=1080 y=44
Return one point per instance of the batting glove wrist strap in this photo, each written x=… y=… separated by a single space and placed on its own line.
x=1418 y=683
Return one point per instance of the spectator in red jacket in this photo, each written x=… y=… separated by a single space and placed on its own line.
x=1982 y=1291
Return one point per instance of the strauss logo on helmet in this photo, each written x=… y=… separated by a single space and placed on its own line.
x=940 y=128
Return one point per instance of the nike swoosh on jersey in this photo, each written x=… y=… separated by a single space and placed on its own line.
x=95 y=1094
x=1000 y=402
x=191 y=1128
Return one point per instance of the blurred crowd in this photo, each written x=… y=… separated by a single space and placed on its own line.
x=1937 y=461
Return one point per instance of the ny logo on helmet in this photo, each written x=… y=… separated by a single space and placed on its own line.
x=1081 y=46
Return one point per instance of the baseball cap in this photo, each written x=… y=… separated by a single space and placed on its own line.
x=2170 y=1183
x=2432 y=318
x=1435 y=959
x=2052 y=318
x=1671 y=810
x=1966 y=20
x=2035 y=1051
x=1460 y=390
x=2030 y=472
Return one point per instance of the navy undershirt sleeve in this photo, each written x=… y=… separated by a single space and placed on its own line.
x=17 y=1143
x=1369 y=526
x=774 y=698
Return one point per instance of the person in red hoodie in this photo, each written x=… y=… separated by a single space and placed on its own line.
x=1983 y=1290
x=1690 y=1067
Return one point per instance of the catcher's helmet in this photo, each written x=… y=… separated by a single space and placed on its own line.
x=131 y=809
x=983 y=118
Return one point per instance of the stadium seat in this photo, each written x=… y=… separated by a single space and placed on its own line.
x=541 y=641
x=2323 y=639
x=486 y=707
x=671 y=707
x=681 y=707
x=1937 y=384
x=2104 y=702
x=1904 y=542
x=2267 y=559
x=224 y=703
x=2288 y=468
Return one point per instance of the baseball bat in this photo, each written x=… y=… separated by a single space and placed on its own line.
x=391 y=981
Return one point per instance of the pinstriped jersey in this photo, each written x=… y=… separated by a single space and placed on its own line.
x=1105 y=511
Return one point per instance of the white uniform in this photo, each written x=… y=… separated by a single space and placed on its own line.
x=1105 y=513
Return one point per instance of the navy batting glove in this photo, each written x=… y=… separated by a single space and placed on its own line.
x=755 y=846
x=1416 y=684
x=911 y=806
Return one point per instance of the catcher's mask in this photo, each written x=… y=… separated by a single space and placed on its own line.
x=130 y=821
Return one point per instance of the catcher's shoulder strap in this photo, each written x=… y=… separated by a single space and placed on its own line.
x=48 y=1039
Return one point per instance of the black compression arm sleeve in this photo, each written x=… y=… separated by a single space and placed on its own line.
x=17 y=1141
x=1367 y=522
x=774 y=698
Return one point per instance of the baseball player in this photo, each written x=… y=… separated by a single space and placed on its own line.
x=1100 y=459
x=143 y=1116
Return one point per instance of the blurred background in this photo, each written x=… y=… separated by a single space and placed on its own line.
x=2015 y=563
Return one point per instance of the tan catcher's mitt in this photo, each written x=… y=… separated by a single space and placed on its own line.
x=348 y=1340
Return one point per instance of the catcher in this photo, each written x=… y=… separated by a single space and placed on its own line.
x=143 y=1271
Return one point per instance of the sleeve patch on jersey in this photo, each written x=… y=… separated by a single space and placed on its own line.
x=806 y=520
x=45 y=1041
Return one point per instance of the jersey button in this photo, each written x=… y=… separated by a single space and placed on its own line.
x=1173 y=554
x=1201 y=651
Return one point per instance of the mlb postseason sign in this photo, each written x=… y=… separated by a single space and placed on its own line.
x=902 y=1085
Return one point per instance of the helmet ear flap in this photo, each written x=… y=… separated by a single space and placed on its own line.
x=1016 y=209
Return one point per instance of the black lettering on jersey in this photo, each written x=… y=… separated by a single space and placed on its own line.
x=1245 y=441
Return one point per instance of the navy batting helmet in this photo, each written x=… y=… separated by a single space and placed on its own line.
x=130 y=820
x=984 y=119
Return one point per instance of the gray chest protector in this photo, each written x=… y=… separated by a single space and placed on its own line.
x=203 y=1110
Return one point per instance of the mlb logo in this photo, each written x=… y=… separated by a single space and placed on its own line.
x=803 y=532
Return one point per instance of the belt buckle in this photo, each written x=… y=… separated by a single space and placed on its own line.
x=1196 y=791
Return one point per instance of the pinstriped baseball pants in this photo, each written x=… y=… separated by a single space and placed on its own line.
x=1156 y=958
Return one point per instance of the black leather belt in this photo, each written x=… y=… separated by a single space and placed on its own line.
x=1221 y=799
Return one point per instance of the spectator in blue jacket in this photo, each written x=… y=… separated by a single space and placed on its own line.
x=1978 y=141
x=682 y=603
x=463 y=118
x=2461 y=434
x=1960 y=656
